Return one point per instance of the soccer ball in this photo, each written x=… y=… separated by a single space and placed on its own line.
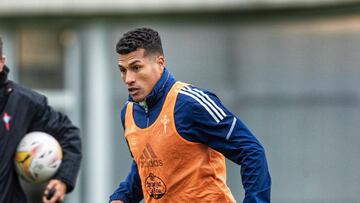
x=38 y=157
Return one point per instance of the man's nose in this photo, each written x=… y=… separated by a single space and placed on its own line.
x=129 y=78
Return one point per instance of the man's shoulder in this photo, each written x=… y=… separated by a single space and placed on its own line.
x=24 y=93
x=201 y=103
x=194 y=96
x=124 y=105
x=123 y=109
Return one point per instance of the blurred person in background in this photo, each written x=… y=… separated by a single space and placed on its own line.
x=178 y=134
x=22 y=111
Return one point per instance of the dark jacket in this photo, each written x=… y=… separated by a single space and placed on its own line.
x=29 y=112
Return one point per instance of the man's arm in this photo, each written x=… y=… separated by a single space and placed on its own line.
x=59 y=125
x=212 y=124
x=129 y=191
x=243 y=148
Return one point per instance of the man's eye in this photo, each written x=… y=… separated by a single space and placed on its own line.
x=136 y=68
x=122 y=70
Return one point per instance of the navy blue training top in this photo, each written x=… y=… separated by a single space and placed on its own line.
x=201 y=117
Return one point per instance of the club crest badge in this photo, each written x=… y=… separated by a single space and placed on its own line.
x=165 y=120
x=155 y=187
x=6 y=119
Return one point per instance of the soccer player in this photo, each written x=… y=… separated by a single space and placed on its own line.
x=22 y=111
x=179 y=134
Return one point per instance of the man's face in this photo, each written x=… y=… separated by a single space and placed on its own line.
x=2 y=63
x=140 y=73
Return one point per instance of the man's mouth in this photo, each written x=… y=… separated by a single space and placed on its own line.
x=133 y=90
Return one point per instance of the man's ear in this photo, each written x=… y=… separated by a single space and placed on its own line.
x=160 y=60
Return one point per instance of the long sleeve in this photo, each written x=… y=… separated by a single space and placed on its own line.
x=129 y=191
x=59 y=125
x=215 y=126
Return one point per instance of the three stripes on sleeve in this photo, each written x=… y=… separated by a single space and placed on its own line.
x=214 y=110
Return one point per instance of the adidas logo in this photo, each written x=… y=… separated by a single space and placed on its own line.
x=148 y=158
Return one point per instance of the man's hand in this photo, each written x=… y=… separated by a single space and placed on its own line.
x=117 y=201
x=59 y=194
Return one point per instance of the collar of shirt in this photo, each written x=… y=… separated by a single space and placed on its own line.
x=4 y=76
x=3 y=87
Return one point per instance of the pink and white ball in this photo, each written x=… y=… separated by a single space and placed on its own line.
x=38 y=157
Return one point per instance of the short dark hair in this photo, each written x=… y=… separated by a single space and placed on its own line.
x=145 y=38
x=1 y=47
